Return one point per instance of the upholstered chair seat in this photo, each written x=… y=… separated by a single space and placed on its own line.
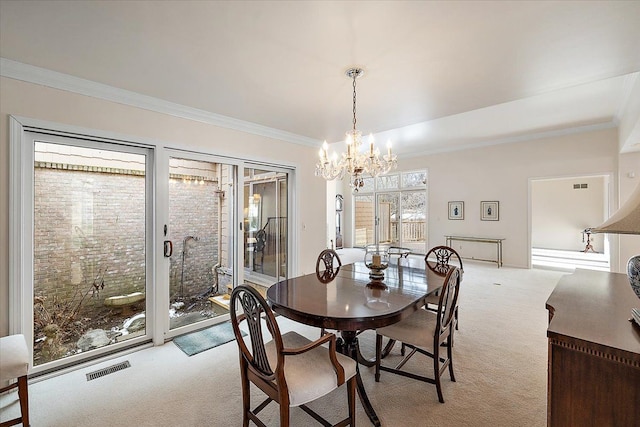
x=14 y=364
x=304 y=388
x=15 y=357
x=417 y=329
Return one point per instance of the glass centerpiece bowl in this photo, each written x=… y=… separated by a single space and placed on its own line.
x=377 y=295
x=376 y=261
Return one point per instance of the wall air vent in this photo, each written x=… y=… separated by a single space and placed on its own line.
x=108 y=370
x=580 y=186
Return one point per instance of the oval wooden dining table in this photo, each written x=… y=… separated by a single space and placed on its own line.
x=348 y=301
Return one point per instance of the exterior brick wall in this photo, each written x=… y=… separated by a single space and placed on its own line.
x=90 y=229
x=193 y=212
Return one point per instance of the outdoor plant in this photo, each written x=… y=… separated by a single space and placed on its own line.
x=57 y=318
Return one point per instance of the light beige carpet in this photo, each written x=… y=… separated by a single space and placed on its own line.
x=500 y=364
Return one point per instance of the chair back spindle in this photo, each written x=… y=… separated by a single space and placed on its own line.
x=443 y=256
x=448 y=300
x=328 y=265
x=253 y=307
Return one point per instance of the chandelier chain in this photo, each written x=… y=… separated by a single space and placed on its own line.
x=354 y=101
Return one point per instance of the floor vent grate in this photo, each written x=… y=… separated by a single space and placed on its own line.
x=109 y=370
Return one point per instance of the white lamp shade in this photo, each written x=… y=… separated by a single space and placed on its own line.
x=626 y=220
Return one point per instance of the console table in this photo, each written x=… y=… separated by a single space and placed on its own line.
x=497 y=242
x=594 y=352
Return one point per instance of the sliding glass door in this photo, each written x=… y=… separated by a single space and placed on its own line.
x=200 y=236
x=116 y=244
x=90 y=249
x=266 y=225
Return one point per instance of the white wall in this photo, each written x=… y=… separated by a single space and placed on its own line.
x=559 y=212
x=502 y=173
x=43 y=103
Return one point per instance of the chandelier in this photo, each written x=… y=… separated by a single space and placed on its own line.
x=354 y=162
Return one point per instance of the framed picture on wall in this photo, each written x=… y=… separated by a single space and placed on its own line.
x=456 y=210
x=489 y=211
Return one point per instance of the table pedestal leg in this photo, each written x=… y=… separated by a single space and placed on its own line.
x=348 y=346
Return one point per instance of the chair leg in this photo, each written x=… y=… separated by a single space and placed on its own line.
x=456 y=317
x=378 y=356
x=23 y=394
x=450 y=356
x=246 y=393
x=351 y=398
x=436 y=372
x=284 y=415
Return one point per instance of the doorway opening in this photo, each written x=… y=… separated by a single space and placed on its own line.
x=266 y=226
x=561 y=210
x=201 y=265
x=392 y=211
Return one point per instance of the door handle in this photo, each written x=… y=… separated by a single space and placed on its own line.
x=168 y=248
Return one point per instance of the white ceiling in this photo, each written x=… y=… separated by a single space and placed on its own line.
x=438 y=75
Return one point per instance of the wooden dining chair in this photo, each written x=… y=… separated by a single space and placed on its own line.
x=290 y=369
x=427 y=333
x=327 y=268
x=327 y=265
x=444 y=256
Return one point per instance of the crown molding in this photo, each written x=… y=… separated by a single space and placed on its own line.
x=520 y=138
x=42 y=76
x=628 y=84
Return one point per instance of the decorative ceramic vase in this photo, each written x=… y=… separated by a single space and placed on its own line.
x=633 y=270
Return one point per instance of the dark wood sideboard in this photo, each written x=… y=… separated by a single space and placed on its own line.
x=594 y=352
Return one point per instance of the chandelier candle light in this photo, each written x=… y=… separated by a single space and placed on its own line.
x=354 y=162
